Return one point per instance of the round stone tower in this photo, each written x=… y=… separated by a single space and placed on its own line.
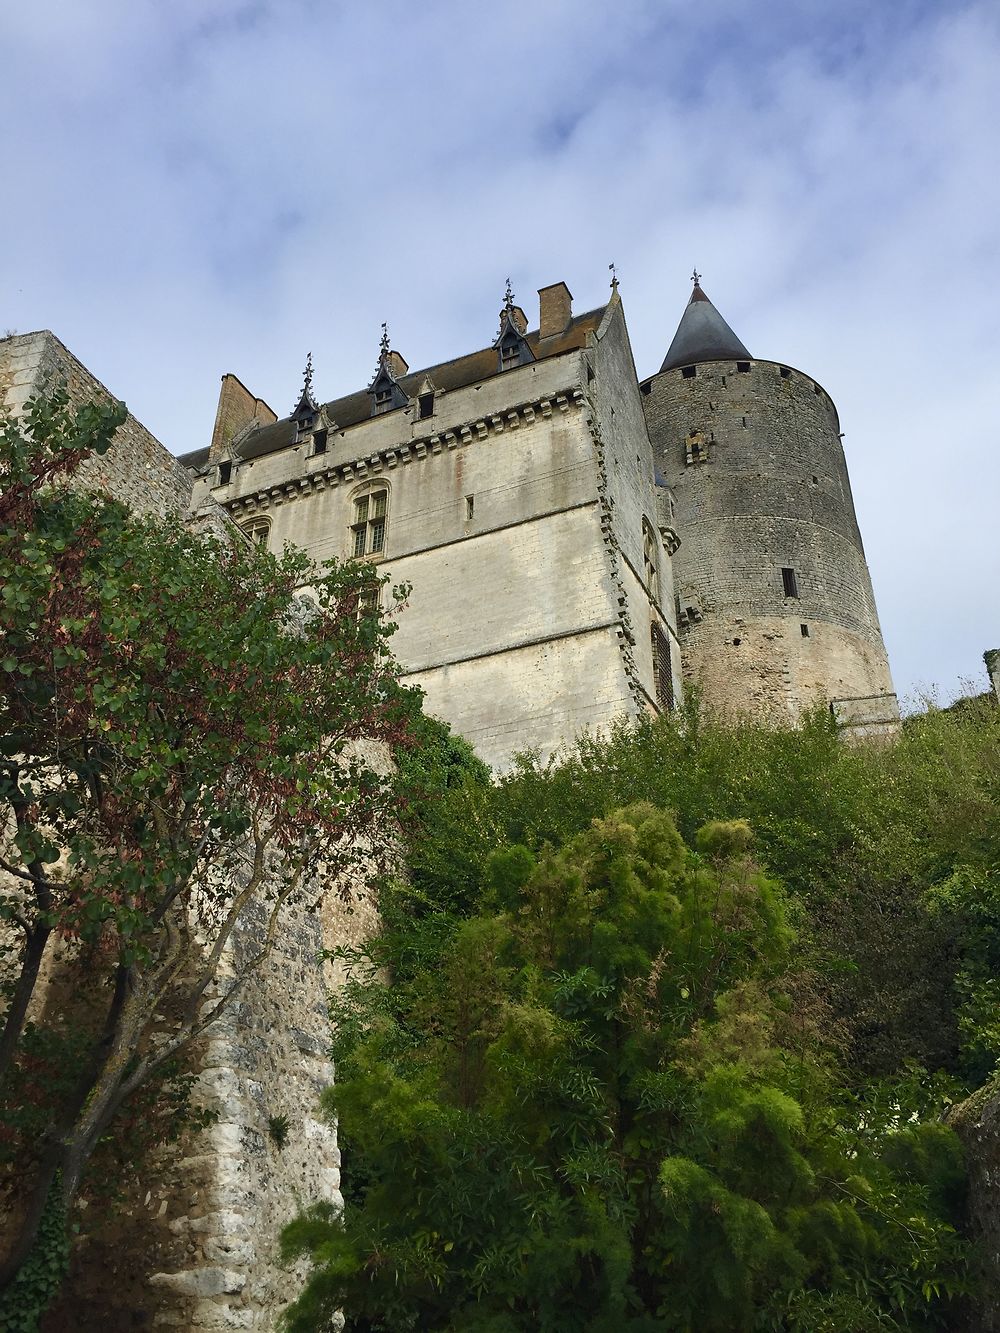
x=775 y=598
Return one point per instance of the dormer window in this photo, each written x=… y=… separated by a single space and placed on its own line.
x=225 y=473
x=510 y=356
x=383 y=400
x=510 y=343
x=426 y=405
x=319 y=442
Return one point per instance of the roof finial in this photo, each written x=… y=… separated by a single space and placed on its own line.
x=508 y=297
x=614 y=277
x=383 y=347
x=307 y=403
x=696 y=278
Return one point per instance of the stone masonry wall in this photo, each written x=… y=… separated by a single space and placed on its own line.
x=137 y=468
x=195 y=1244
x=496 y=519
x=755 y=462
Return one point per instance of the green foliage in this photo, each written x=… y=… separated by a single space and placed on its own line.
x=597 y=1105
x=277 y=1127
x=180 y=757
x=29 y=1295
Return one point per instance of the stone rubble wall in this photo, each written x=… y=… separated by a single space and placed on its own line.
x=137 y=469
x=194 y=1242
x=756 y=466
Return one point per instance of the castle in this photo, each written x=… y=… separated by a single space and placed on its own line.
x=580 y=543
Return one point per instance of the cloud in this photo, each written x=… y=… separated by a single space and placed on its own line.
x=219 y=185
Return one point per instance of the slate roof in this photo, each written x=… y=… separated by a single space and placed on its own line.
x=454 y=374
x=702 y=335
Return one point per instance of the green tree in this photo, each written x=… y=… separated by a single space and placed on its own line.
x=599 y=1103
x=183 y=735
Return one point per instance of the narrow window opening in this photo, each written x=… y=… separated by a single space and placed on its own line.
x=785 y=372
x=689 y=372
x=470 y=506
x=815 y=480
x=737 y=642
x=804 y=629
x=817 y=389
x=426 y=403
x=744 y=421
x=743 y=367
x=590 y=374
x=646 y=388
x=790 y=582
x=225 y=473
x=663 y=679
x=319 y=442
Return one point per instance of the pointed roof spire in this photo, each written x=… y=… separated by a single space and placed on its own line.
x=702 y=334
x=385 y=389
x=510 y=343
x=307 y=404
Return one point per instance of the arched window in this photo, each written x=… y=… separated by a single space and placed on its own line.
x=257 y=530
x=368 y=524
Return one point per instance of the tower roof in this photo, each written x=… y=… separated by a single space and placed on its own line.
x=702 y=335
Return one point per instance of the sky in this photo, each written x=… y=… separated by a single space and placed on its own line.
x=212 y=186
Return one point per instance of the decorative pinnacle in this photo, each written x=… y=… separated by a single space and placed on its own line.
x=307 y=378
x=696 y=278
x=614 y=277
x=383 y=347
x=508 y=297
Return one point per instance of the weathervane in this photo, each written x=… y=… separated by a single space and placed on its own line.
x=383 y=347
x=508 y=297
x=614 y=277
x=696 y=278
x=307 y=378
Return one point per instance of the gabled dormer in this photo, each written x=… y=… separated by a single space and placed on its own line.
x=385 y=389
x=510 y=343
x=305 y=414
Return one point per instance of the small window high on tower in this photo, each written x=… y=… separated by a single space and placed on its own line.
x=789 y=582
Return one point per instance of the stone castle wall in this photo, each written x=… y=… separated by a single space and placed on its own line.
x=194 y=1245
x=755 y=462
x=137 y=469
x=508 y=514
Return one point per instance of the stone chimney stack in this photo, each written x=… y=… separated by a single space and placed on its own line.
x=397 y=365
x=237 y=408
x=555 y=309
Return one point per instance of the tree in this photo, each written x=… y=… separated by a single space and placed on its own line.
x=605 y=1100
x=182 y=733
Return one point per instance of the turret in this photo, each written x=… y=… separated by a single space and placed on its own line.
x=774 y=595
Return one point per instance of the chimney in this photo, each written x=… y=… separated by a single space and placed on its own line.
x=237 y=408
x=397 y=365
x=555 y=309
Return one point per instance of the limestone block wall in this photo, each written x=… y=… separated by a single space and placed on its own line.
x=500 y=520
x=755 y=462
x=137 y=468
x=629 y=499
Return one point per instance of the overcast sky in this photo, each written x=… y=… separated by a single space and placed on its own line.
x=204 y=186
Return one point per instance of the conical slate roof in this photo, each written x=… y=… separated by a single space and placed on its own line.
x=702 y=335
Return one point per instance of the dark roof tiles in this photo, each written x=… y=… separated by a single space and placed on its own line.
x=455 y=374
